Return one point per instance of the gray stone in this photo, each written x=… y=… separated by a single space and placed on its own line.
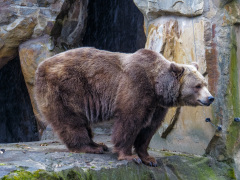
x=46 y=159
x=32 y=53
x=73 y=27
x=152 y=9
x=16 y=27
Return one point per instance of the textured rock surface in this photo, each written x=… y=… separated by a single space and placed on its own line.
x=71 y=24
x=215 y=34
x=31 y=53
x=50 y=159
x=155 y=8
x=22 y=20
x=174 y=39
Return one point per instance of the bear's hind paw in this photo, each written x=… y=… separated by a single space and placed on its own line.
x=105 y=148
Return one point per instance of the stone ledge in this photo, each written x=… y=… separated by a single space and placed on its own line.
x=51 y=160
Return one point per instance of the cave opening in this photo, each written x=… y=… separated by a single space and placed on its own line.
x=17 y=120
x=115 y=25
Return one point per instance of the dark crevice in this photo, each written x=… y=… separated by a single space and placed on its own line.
x=57 y=29
x=172 y=123
x=17 y=121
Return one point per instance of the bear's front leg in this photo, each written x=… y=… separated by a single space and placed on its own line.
x=134 y=101
x=145 y=135
x=124 y=134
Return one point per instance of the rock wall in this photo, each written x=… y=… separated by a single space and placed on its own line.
x=22 y=20
x=207 y=32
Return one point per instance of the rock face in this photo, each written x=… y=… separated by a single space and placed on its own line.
x=212 y=40
x=71 y=24
x=152 y=9
x=31 y=53
x=22 y=20
x=174 y=39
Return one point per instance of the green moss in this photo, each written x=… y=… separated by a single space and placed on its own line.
x=166 y=154
x=233 y=9
x=233 y=100
x=231 y=174
x=26 y=175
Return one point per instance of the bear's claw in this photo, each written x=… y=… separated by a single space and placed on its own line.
x=137 y=160
x=152 y=164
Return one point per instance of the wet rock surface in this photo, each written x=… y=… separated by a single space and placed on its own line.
x=51 y=159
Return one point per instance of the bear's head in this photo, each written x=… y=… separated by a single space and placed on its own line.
x=192 y=86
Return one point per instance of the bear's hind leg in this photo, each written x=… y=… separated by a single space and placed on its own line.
x=75 y=132
x=90 y=133
x=77 y=139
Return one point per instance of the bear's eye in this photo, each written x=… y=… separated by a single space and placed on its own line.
x=198 y=86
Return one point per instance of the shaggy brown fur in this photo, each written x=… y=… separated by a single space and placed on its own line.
x=82 y=86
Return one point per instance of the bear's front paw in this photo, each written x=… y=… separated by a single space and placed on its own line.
x=150 y=161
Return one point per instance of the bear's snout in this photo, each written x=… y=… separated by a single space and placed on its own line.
x=210 y=99
x=207 y=102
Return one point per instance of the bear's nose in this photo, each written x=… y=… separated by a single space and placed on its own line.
x=211 y=99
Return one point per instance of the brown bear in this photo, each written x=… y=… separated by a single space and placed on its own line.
x=82 y=86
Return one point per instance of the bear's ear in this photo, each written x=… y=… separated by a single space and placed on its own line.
x=195 y=65
x=176 y=69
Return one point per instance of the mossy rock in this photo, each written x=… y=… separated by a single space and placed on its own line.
x=172 y=167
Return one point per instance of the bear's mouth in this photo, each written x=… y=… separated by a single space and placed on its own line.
x=204 y=103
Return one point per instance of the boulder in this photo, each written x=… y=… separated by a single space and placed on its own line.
x=22 y=20
x=31 y=53
x=152 y=9
x=12 y=35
